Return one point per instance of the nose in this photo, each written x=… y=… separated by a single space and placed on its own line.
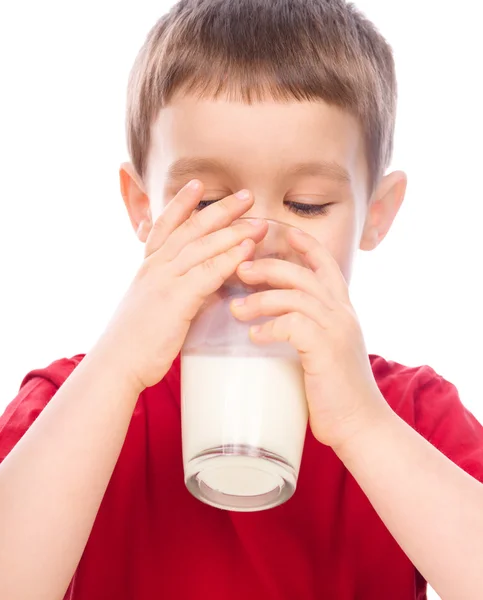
x=275 y=243
x=258 y=212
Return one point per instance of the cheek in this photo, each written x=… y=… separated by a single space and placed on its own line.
x=156 y=185
x=155 y=211
x=345 y=258
x=345 y=248
x=343 y=252
x=157 y=199
x=340 y=238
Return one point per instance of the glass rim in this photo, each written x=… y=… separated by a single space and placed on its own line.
x=274 y=221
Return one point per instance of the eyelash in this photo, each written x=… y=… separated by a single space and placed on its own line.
x=308 y=210
x=305 y=210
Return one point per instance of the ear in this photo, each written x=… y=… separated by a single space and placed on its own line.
x=136 y=201
x=382 y=211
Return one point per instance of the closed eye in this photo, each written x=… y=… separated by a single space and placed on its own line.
x=308 y=210
x=205 y=203
x=298 y=208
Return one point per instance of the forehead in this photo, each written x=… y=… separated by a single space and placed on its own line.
x=268 y=136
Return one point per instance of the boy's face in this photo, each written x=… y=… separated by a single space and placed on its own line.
x=292 y=157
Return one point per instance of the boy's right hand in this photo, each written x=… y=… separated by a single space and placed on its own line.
x=188 y=256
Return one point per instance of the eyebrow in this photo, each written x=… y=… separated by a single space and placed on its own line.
x=190 y=167
x=325 y=169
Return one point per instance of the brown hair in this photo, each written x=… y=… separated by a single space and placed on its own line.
x=250 y=49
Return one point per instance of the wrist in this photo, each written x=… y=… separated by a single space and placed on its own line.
x=109 y=360
x=366 y=429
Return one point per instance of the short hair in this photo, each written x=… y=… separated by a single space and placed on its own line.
x=246 y=50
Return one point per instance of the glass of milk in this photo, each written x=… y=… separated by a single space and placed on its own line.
x=243 y=406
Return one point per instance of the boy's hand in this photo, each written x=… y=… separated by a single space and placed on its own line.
x=314 y=313
x=188 y=256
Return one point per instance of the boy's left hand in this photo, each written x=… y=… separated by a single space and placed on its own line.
x=313 y=312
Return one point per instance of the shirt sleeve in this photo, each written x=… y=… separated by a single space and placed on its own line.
x=36 y=390
x=448 y=425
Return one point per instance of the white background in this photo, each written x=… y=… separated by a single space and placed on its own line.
x=67 y=248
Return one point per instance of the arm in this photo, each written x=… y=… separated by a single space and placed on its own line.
x=53 y=481
x=433 y=508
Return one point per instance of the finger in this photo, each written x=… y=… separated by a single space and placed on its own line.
x=201 y=223
x=275 y=303
x=216 y=243
x=299 y=331
x=320 y=261
x=286 y=275
x=176 y=212
x=294 y=328
x=209 y=276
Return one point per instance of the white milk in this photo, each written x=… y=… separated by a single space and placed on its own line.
x=254 y=401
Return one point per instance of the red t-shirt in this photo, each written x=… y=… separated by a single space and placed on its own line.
x=152 y=539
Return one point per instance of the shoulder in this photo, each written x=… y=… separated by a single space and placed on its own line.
x=36 y=390
x=403 y=386
x=389 y=372
x=55 y=373
x=416 y=393
x=432 y=406
x=40 y=384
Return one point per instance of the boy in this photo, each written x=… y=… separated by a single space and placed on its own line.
x=292 y=102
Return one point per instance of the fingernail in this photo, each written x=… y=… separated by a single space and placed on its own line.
x=256 y=329
x=243 y=195
x=239 y=302
x=246 y=265
x=194 y=184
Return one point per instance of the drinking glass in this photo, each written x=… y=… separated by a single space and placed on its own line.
x=243 y=406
